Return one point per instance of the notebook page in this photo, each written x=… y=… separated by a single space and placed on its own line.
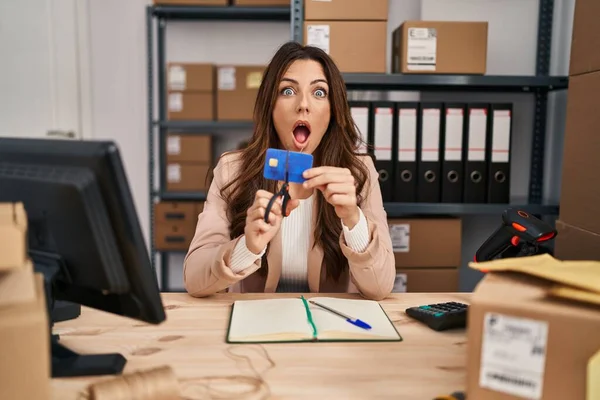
x=269 y=319
x=331 y=326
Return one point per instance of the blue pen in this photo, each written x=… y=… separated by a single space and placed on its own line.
x=353 y=321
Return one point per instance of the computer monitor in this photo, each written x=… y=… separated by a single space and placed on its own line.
x=83 y=235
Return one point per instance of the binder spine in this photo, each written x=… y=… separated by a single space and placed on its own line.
x=382 y=139
x=406 y=133
x=454 y=153
x=361 y=112
x=476 y=166
x=429 y=168
x=499 y=153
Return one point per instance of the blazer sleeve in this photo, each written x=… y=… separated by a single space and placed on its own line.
x=372 y=271
x=206 y=267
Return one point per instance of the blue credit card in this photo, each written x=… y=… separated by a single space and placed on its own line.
x=277 y=160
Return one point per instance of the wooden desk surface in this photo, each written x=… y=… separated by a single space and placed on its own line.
x=192 y=341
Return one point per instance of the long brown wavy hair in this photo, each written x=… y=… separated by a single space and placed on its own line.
x=338 y=147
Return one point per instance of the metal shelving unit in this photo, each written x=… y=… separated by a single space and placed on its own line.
x=539 y=86
x=158 y=126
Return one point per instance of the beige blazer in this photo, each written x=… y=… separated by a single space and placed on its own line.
x=206 y=270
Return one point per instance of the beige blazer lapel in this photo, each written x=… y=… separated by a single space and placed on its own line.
x=315 y=253
x=274 y=258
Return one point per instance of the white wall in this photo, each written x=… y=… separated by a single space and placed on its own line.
x=118 y=51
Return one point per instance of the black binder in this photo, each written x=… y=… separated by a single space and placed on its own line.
x=382 y=142
x=499 y=153
x=429 y=154
x=405 y=188
x=361 y=112
x=476 y=168
x=454 y=152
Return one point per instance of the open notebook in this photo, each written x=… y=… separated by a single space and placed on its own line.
x=289 y=320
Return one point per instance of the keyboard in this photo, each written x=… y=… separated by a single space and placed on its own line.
x=441 y=316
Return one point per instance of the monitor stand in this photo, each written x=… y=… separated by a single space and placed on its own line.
x=65 y=362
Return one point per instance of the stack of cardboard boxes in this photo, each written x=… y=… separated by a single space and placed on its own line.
x=427 y=253
x=536 y=336
x=208 y=92
x=579 y=221
x=24 y=330
x=189 y=162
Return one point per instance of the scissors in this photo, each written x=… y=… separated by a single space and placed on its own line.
x=284 y=192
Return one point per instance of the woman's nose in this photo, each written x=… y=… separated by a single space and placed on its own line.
x=303 y=105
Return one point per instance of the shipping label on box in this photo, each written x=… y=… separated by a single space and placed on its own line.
x=421 y=49
x=318 y=36
x=400 y=234
x=513 y=355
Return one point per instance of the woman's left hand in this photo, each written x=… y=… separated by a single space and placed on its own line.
x=339 y=189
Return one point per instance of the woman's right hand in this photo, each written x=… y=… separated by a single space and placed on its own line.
x=259 y=233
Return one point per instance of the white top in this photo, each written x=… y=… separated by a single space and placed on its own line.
x=295 y=237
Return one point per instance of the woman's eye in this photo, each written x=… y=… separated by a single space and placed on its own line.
x=320 y=93
x=288 y=92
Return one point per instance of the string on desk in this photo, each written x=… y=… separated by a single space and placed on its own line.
x=161 y=384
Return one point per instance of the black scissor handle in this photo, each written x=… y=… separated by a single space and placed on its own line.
x=284 y=192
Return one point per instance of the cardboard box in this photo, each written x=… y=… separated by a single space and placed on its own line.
x=192 y=2
x=346 y=10
x=173 y=237
x=198 y=106
x=189 y=147
x=440 y=47
x=24 y=341
x=580 y=195
x=522 y=343
x=175 y=224
x=262 y=3
x=173 y=212
x=585 y=39
x=355 y=46
x=192 y=77
x=187 y=177
x=237 y=87
x=426 y=280
x=417 y=244
x=13 y=236
x=573 y=243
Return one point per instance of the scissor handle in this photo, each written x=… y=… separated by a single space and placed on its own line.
x=269 y=206
x=284 y=192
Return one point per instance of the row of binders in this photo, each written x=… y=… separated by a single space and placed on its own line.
x=438 y=152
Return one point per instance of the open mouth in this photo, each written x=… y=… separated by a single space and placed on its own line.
x=301 y=132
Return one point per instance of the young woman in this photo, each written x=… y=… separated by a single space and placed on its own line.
x=334 y=235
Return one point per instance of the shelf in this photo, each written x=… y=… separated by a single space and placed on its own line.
x=395 y=210
x=204 y=126
x=181 y=196
x=470 y=83
x=222 y=13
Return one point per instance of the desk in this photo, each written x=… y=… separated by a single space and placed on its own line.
x=192 y=341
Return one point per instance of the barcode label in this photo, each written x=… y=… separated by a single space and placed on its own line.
x=513 y=380
x=513 y=355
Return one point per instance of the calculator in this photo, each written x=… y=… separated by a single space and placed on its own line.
x=441 y=316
